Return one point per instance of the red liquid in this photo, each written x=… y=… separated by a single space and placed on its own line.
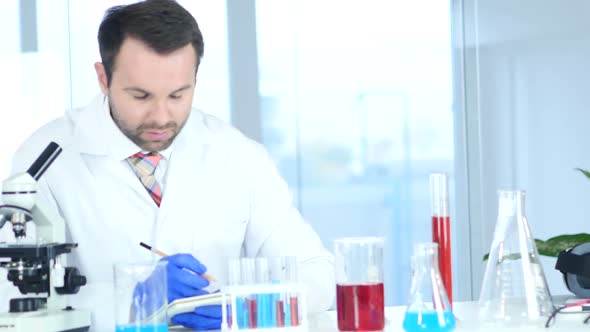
x=441 y=234
x=360 y=307
x=280 y=314
x=294 y=311
x=252 y=313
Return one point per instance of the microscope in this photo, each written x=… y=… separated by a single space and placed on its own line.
x=38 y=268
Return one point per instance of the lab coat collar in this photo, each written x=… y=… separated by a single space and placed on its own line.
x=96 y=133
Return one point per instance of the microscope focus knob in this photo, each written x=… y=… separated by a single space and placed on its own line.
x=72 y=281
x=26 y=304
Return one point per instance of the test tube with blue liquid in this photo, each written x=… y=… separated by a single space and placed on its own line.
x=234 y=269
x=428 y=308
x=264 y=309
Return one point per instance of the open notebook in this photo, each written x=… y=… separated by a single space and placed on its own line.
x=188 y=304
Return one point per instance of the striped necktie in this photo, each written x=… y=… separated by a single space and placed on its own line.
x=145 y=168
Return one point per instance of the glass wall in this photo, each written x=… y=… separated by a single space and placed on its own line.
x=527 y=69
x=356 y=108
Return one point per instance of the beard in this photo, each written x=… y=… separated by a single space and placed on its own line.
x=134 y=134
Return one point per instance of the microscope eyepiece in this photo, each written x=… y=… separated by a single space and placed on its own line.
x=44 y=160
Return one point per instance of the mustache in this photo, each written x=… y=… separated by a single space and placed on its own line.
x=156 y=126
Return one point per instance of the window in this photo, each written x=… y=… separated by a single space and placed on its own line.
x=35 y=83
x=356 y=108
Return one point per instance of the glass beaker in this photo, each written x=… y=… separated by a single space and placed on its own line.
x=359 y=283
x=428 y=305
x=514 y=288
x=141 y=297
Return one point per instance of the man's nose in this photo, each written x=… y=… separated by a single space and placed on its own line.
x=159 y=112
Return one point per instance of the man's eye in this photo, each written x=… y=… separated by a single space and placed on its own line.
x=175 y=96
x=140 y=97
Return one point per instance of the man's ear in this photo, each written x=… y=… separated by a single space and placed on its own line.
x=103 y=81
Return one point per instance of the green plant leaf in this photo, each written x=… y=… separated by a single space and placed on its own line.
x=583 y=171
x=553 y=246
x=507 y=257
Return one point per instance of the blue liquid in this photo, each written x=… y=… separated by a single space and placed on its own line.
x=287 y=313
x=428 y=321
x=144 y=328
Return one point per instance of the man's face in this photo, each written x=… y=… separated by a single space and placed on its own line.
x=151 y=94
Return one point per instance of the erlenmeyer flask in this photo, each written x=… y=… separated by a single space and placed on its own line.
x=428 y=307
x=514 y=289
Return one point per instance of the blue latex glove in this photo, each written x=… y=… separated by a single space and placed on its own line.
x=204 y=318
x=182 y=282
x=184 y=276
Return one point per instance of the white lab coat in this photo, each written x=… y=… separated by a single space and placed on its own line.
x=223 y=199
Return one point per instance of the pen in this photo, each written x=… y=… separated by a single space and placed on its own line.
x=162 y=254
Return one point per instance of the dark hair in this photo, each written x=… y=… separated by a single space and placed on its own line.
x=163 y=25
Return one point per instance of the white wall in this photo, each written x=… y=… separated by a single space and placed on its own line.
x=33 y=87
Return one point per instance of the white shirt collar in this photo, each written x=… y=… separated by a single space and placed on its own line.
x=165 y=153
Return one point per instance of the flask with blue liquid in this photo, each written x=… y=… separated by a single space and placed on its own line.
x=428 y=307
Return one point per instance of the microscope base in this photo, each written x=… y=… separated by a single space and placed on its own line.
x=44 y=320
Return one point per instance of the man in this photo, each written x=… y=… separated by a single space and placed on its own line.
x=138 y=164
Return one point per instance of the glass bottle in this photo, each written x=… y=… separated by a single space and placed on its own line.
x=441 y=228
x=514 y=288
x=428 y=307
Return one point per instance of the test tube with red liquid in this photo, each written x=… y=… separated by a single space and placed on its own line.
x=441 y=227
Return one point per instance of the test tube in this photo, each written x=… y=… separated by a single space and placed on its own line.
x=283 y=269
x=277 y=276
x=262 y=270
x=291 y=269
x=294 y=304
x=441 y=227
x=234 y=278
x=292 y=276
x=280 y=316
x=264 y=300
x=248 y=269
x=276 y=267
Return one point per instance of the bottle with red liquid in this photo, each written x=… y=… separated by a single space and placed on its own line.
x=359 y=283
x=441 y=228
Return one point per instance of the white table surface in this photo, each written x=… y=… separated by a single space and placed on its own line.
x=466 y=314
